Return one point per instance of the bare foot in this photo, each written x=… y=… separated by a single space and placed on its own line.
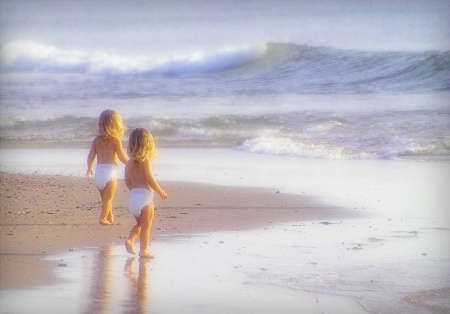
x=146 y=254
x=110 y=218
x=129 y=247
x=104 y=222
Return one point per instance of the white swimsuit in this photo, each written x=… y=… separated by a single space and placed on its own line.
x=103 y=174
x=139 y=198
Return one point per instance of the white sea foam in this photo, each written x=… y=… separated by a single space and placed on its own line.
x=29 y=56
x=277 y=145
x=304 y=134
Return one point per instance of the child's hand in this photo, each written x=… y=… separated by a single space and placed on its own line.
x=89 y=173
x=163 y=195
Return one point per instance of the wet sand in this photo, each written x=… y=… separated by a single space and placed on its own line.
x=43 y=215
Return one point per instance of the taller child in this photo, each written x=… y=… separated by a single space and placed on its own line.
x=107 y=147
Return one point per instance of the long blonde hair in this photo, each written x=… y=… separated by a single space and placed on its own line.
x=110 y=125
x=141 y=145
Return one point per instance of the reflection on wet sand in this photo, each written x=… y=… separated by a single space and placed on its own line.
x=138 y=288
x=101 y=274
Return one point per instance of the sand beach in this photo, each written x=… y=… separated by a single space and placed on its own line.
x=43 y=214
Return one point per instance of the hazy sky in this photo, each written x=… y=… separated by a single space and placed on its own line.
x=170 y=26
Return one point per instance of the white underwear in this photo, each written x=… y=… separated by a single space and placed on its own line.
x=139 y=198
x=103 y=174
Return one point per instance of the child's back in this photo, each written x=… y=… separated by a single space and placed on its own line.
x=135 y=174
x=107 y=150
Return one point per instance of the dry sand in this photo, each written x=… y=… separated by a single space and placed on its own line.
x=43 y=215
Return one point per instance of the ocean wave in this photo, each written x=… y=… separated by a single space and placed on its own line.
x=278 y=145
x=319 y=149
x=305 y=135
x=28 y=56
x=280 y=67
x=324 y=69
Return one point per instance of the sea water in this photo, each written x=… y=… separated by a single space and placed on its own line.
x=328 y=80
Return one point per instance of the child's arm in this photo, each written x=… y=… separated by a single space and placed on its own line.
x=90 y=160
x=127 y=178
x=120 y=153
x=152 y=181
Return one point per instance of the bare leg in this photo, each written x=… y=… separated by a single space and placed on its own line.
x=110 y=217
x=101 y=220
x=107 y=195
x=134 y=233
x=146 y=225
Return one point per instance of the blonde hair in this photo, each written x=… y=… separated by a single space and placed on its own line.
x=110 y=125
x=141 y=145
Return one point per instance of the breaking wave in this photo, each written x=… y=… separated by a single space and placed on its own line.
x=280 y=66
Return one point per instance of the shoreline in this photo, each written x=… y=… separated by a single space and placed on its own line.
x=43 y=215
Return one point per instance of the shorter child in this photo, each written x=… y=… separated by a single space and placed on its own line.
x=107 y=147
x=141 y=182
